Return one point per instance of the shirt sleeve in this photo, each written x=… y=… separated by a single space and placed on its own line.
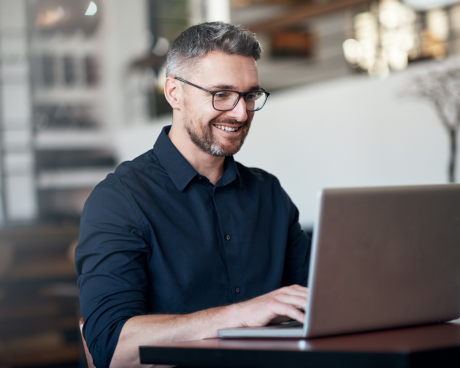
x=297 y=261
x=110 y=262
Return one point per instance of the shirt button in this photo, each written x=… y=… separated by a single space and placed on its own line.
x=237 y=290
x=199 y=178
x=227 y=237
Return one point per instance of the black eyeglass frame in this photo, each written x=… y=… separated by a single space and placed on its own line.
x=213 y=93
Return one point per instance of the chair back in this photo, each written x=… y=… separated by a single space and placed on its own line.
x=89 y=358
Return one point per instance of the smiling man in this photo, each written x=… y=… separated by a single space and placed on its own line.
x=183 y=241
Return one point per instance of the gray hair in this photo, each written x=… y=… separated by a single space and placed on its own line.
x=199 y=40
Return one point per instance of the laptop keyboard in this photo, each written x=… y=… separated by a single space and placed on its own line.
x=290 y=324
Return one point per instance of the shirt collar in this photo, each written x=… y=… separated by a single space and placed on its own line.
x=231 y=173
x=179 y=169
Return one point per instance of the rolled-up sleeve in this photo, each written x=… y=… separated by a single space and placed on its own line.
x=110 y=261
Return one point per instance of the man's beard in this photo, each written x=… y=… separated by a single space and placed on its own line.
x=204 y=139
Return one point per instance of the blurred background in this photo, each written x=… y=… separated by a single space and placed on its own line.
x=364 y=93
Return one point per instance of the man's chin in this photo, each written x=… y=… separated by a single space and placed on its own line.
x=220 y=150
x=222 y=153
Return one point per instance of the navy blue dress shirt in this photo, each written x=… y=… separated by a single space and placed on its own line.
x=157 y=237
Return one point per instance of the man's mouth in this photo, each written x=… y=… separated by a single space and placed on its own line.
x=227 y=128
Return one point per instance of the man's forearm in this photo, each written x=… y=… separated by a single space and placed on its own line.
x=164 y=328
x=275 y=307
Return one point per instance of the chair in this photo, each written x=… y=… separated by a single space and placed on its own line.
x=89 y=358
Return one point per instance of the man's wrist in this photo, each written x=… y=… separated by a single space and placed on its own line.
x=233 y=315
x=223 y=317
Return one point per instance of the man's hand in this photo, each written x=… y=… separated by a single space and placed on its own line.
x=278 y=306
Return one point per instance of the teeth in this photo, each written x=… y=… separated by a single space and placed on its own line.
x=226 y=128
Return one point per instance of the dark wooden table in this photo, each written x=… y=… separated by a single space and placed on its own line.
x=426 y=346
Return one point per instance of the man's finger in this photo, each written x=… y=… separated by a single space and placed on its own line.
x=301 y=291
x=299 y=287
x=299 y=302
x=287 y=310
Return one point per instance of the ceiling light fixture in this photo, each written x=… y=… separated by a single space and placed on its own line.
x=92 y=9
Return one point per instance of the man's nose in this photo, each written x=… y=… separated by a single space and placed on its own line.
x=239 y=113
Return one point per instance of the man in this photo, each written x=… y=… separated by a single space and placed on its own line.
x=183 y=241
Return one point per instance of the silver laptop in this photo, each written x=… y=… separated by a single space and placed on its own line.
x=381 y=258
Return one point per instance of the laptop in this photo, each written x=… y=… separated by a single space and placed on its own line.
x=382 y=257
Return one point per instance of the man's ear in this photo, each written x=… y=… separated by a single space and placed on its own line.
x=173 y=92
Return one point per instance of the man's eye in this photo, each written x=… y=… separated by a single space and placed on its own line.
x=222 y=95
x=251 y=96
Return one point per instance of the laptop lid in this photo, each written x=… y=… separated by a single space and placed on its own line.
x=384 y=257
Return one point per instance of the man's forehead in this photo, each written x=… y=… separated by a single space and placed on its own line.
x=222 y=71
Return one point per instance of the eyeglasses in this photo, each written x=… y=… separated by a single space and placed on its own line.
x=227 y=100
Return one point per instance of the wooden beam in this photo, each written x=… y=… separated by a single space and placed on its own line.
x=299 y=13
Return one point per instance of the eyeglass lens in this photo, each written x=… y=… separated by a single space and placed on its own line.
x=225 y=100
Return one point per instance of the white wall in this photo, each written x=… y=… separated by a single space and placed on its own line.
x=124 y=35
x=15 y=115
x=352 y=131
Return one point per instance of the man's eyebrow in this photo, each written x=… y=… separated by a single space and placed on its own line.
x=231 y=87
